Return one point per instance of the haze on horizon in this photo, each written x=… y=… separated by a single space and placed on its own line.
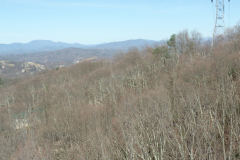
x=95 y=22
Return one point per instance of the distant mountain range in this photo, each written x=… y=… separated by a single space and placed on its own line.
x=47 y=45
x=124 y=45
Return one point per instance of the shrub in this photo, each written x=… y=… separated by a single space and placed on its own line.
x=161 y=51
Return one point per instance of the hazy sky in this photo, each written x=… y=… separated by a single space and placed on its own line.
x=99 y=21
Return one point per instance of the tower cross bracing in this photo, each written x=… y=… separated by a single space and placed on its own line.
x=219 y=27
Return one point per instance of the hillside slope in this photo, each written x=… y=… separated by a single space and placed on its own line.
x=139 y=106
x=67 y=56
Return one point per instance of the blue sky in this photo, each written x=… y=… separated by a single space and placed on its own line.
x=101 y=21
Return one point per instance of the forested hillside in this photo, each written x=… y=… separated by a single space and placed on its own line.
x=178 y=101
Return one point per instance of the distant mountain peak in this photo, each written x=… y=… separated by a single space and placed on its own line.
x=48 y=45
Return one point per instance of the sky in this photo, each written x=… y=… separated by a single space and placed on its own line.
x=102 y=21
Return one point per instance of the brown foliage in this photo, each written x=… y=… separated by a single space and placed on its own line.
x=136 y=107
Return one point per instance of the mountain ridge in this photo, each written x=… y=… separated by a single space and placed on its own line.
x=48 y=45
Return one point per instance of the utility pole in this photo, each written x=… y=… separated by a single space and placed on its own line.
x=219 y=27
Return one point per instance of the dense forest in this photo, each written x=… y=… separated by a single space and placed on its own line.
x=180 y=100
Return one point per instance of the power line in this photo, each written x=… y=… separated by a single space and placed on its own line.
x=229 y=13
